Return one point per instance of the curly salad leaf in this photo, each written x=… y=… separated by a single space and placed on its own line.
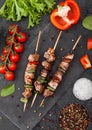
x=33 y=9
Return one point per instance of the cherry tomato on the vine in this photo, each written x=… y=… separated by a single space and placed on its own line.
x=13 y=28
x=2 y=68
x=21 y=36
x=10 y=53
x=12 y=66
x=14 y=57
x=10 y=40
x=5 y=50
x=18 y=47
x=9 y=75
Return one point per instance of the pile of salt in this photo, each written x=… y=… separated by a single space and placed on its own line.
x=82 y=89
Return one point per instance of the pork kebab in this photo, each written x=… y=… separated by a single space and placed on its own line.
x=58 y=75
x=33 y=60
x=50 y=58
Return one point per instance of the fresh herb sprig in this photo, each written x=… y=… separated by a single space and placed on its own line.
x=7 y=90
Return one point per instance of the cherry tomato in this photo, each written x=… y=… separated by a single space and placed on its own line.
x=5 y=50
x=13 y=28
x=2 y=68
x=9 y=75
x=12 y=66
x=18 y=47
x=3 y=57
x=10 y=40
x=21 y=37
x=14 y=57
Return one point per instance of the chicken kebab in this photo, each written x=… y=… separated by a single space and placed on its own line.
x=33 y=60
x=47 y=64
x=58 y=75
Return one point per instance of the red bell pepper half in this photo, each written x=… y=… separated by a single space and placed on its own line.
x=85 y=61
x=89 y=44
x=66 y=14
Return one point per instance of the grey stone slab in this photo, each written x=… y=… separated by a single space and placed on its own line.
x=5 y=124
x=11 y=106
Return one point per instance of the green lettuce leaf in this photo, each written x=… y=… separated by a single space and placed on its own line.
x=32 y=9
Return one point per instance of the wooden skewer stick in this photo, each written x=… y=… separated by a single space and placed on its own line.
x=76 y=43
x=24 y=108
x=37 y=43
x=57 y=40
x=42 y=102
x=35 y=96
x=36 y=50
x=73 y=48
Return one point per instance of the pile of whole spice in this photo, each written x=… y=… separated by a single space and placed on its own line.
x=74 y=117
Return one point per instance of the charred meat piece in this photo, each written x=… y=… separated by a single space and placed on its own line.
x=29 y=75
x=46 y=65
x=59 y=75
x=31 y=67
x=49 y=52
x=27 y=93
x=56 y=79
x=33 y=57
x=47 y=93
x=38 y=86
x=44 y=73
x=69 y=56
x=50 y=55
x=27 y=79
x=53 y=84
x=64 y=65
x=66 y=60
x=51 y=58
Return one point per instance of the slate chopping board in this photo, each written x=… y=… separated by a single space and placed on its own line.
x=11 y=106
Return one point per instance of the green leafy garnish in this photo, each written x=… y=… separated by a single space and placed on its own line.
x=87 y=22
x=7 y=90
x=33 y=9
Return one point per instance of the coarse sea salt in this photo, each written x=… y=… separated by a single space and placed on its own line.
x=82 y=89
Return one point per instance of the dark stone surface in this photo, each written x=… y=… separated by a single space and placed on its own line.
x=11 y=107
x=5 y=123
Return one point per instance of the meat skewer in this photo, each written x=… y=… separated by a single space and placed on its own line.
x=58 y=75
x=30 y=70
x=47 y=65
